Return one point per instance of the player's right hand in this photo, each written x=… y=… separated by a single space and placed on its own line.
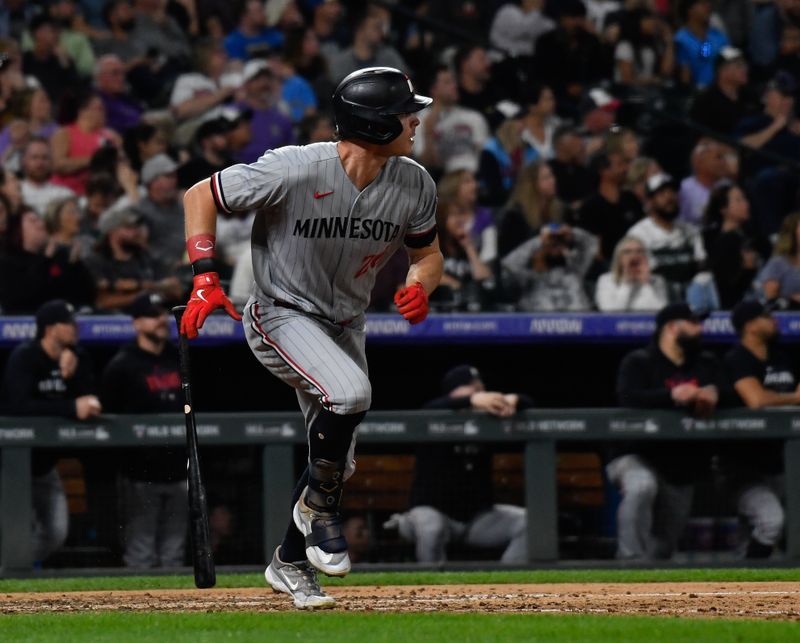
x=206 y=297
x=87 y=406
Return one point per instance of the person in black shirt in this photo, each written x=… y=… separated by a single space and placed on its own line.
x=762 y=377
x=212 y=143
x=574 y=181
x=451 y=496
x=721 y=106
x=50 y=376
x=656 y=482
x=143 y=377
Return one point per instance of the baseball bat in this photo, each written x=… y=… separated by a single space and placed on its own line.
x=202 y=554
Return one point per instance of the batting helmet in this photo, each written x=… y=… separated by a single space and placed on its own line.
x=366 y=104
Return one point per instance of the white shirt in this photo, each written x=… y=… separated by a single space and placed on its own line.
x=625 y=295
x=40 y=196
x=458 y=132
x=515 y=31
x=670 y=249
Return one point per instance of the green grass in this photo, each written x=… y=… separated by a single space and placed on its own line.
x=374 y=628
x=414 y=578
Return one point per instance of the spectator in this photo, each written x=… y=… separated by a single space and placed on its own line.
x=18 y=137
x=516 y=27
x=451 y=496
x=697 y=43
x=326 y=25
x=533 y=203
x=656 y=483
x=162 y=211
x=722 y=105
x=473 y=70
x=212 y=142
x=448 y=131
x=676 y=247
x=240 y=130
x=50 y=376
x=461 y=188
x=123 y=110
x=645 y=52
x=252 y=39
x=296 y=92
x=37 y=168
x=160 y=33
x=762 y=376
x=368 y=49
x=46 y=61
x=271 y=128
x=34 y=269
x=769 y=21
x=122 y=266
x=573 y=180
x=598 y=111
x=143 y=378
x=72 y=39
x=539 y=121
x=119 y=40
x=34 y=107
x=101 y=195
x=62 y=218
x=611 y=211
x=550 y=269
x=780 y=277
x=74 y=144
x=302 y=52
x=500 y=162
x=708 y=167
x=623 y=140
x=316 y=128
x=732 y=257
x=630 y=285
x=142 y=142
x=639 y=171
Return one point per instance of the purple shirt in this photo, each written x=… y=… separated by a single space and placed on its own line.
x=44 y=132
x=693 y=198
x=271 y=129
x=121 y=112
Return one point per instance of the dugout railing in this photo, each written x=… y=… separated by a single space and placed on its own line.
x=281 y=433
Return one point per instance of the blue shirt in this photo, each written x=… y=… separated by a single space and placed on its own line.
x=298 y=94
x=699 y=55
x=239 y=46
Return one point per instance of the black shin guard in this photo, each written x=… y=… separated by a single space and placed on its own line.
x=293 y=546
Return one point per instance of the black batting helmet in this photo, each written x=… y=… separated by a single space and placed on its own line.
x=366 y=104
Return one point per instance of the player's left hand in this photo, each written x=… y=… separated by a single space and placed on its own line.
x=207 y=296
x=412 y=303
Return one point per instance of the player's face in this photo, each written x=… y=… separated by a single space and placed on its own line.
x=401 y=146
x=156 y=328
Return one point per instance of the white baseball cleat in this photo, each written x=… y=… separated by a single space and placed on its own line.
x=299 y=582
x=326 y=547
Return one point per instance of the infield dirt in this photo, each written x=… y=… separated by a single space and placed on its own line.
x=769 y=601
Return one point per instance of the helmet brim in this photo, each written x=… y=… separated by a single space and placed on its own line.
x=412 y=104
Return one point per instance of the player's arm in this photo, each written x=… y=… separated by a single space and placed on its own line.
x=755 y=396
x=423 y=276
x=200 y=209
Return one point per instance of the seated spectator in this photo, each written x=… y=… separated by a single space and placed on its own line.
x=574 y=180
x=142 y=142
x=539 y=121
x=780 y=277
x=302 y=52
x=122 y=266
x=46 y=61
x=143 y=378
x=37 y=168
x=697 y=43
x=500 y=162
x=159 y=32
x=769 y=20
x=460 y=188
x=74 y=144
x=35 y=270
x=533 y=203
x=645 y=52
x=630 y=285
x=270 y=127
x=676 y=247
x=162 y=211
x=611 y=211
x=34 y=107
x=316 y=128
x=598 y=112
x=369 y=48
x=451 y=496
x=516 y=27
x=446 y=130
x=63 y=219
x=296 y=92
x=18 y=137
x=708 y=167
x=123 y=110
x=624 y=141
x=723 y=105
x=50 y=376
x=732 y=257
x=639 y=171
x=550 y=269
x=763 y=377
x=252 y=38
x=656 y=482
x=120 y=19
x=101 y=194
x=473 y=70
x=214 y=154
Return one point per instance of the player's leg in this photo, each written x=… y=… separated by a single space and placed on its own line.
x=761 y=508
x=501 y=526
x=638 y=486
x=173 y=523
x=430 y=530
x=671 y=515
x=51 y=516
x=141 y=524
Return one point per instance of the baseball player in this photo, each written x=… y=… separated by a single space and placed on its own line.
x=329 y=215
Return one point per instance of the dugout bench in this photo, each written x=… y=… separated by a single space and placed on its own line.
x=280 y=434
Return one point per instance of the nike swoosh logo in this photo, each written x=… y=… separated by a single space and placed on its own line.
x=200 y=294
x=319 y=195
x=293 y=586
x=324 y=557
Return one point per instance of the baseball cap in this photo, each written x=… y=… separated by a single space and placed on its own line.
x=55 y=311
x=675 y=312
x=747 y=311
x=156 y=166
x=211 y=128
x=727 y=55
x=459 y=376
x=658 y=182
x=783 y=82
x=233 y=115
x=117 y=218
x=147 y=304
x=599 y=98
x=253 y=68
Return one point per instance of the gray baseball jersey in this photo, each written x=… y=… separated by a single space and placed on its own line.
x=318 y=242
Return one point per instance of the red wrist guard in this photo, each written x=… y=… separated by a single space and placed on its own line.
x=201 y=246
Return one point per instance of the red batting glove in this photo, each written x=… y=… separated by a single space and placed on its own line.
x=412 y=303
x=206 y=297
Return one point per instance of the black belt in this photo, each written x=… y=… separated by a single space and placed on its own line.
x=285 y=304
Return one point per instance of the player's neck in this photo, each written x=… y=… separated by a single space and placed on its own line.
x=360 y=164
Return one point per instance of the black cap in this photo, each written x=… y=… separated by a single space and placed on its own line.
x=55 y=311
x=459 y=376
x=783 y=82
x=147 y=304
x=746 y=311
x=572 y=8
x=675 y=312
x=213 y=127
